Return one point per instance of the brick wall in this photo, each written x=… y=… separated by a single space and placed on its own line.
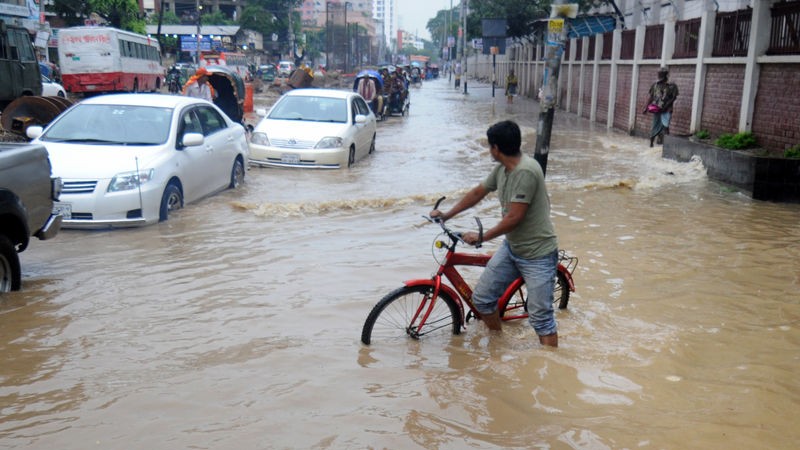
x=603 y=85
x=647 y=76
x=621 y=106
x=776 y=116
x=575 y=83
x=587 y=91
x=723 y=93
x=683 y=76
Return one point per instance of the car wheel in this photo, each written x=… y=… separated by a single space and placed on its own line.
x=372 y=145
x=10 y=274
x=237 y=174
x=61 y=94
x=351 y=158
x=172 y=200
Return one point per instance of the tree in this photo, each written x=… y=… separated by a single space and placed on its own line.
x=122 y=14
x=520 y=14
x=216 y=18
x=271 y=16
x=169 y=18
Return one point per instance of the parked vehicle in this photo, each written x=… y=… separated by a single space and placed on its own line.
x=19 y=70
x=51 y=88
x=133 y=159
x=285 y=68
x=314 y=128
x=267 y=72
x=21 y=99
x=27 y=193
x=104 y=59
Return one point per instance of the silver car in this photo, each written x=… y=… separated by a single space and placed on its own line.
x=314 y=128
x=132 y=159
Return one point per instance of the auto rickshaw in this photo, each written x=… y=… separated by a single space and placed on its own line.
x=267 y=72
x=230 y=91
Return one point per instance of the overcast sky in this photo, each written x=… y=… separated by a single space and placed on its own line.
x=413 y=15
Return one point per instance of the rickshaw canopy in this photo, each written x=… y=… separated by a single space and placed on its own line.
x=230 y=91
x=371 y=73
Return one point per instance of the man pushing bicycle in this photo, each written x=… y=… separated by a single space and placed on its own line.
x=530 y=249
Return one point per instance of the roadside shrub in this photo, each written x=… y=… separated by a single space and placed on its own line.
x=792 y=152
x=702 y=134
x=736 y=141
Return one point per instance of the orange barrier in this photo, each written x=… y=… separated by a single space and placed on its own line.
x=248 y=97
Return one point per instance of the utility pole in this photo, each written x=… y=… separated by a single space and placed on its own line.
x=556 y=36
x=346 y=37
x=464 y=9
x=449 y=50
x=197 y=53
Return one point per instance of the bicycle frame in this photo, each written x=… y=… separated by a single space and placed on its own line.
x=461 y=291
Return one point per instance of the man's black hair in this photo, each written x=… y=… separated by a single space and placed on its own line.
x=506 y=136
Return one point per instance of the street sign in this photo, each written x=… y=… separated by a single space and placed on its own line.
x=555 y=25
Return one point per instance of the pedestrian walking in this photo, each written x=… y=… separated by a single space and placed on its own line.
x=661 y=97
x=511 y=86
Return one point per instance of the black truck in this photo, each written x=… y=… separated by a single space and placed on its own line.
x=27 y=193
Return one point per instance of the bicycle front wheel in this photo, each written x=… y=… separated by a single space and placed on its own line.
x=400 y=315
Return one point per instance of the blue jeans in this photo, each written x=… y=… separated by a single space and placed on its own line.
x=540 y=273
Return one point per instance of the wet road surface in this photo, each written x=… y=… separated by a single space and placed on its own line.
x=236 y=323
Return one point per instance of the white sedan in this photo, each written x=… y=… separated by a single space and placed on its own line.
x=132 y=159
x=51 y=88
x=314 y=128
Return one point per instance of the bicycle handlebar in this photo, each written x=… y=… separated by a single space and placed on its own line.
x=455 y=235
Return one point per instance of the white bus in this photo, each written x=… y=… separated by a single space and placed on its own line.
x=103 y=59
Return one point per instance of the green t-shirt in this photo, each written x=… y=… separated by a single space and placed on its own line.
x=534 y=236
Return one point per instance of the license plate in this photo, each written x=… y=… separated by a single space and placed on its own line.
x=65 y=209
x=290 y=158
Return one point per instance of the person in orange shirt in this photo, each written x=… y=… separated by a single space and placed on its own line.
x=198 y=86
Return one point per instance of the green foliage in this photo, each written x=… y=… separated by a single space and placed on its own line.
x=216 y=18
x=792 y=152
x=520 y=14
x=702 y=134
x=169 y=18
x=72 y=12
x=122 y=14
x=736 y=141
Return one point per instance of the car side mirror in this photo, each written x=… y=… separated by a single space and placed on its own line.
x=192 y=139
x=261 y=112
x=360 y=118
x=34 y=131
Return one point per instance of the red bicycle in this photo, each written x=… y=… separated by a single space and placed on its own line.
x=423 y=307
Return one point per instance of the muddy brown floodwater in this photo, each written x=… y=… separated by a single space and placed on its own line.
x=236 y=323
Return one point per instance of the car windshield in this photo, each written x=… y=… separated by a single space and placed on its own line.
x=313 y=109
x=112 y=124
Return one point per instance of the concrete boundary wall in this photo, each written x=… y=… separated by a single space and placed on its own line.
x=757 y=92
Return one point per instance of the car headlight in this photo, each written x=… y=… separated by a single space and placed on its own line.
x=259 y=139
x=130 y=180
x=329 y=142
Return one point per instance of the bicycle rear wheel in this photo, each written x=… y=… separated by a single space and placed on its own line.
x=561 y=290
x=397 y=315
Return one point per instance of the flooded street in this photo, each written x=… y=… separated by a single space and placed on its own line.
x=236 y=323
